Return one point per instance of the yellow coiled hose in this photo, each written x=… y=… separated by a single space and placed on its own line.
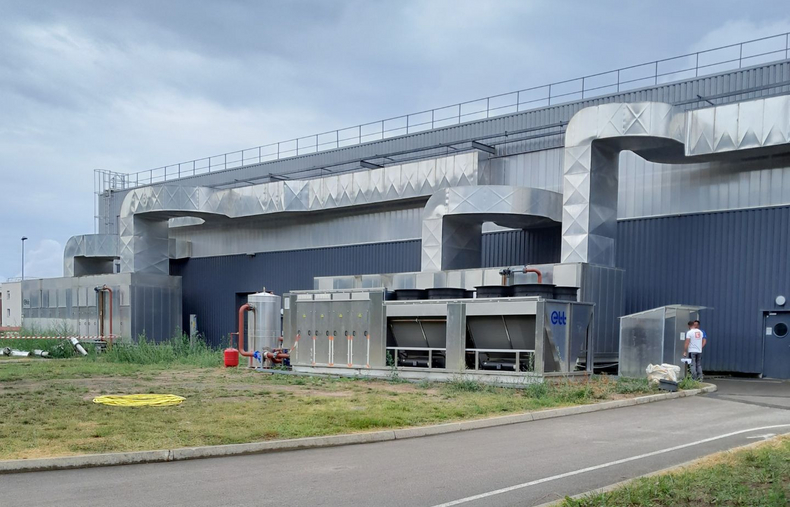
x=139 y=400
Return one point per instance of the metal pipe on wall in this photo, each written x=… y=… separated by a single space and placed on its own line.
x=536 y=271
x=508 y=271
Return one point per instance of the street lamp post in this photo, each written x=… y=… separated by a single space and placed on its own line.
x=24 y=238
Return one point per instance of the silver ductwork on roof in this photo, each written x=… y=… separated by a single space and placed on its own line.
x=458 y=197
x=453 y=219
x=657 y=132
x=94 y=254
x=145 y=211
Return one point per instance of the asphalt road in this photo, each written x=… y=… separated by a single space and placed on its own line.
x=523 y=464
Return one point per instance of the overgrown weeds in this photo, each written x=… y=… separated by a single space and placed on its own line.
x=61 y=328
x=177 y=350
x=56 y=347
x=60 y=349
x=463 y=385
x=689 y=383
x=626 y=385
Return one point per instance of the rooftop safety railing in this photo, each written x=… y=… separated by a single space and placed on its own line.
x=709 y=61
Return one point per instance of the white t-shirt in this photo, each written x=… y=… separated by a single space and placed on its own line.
x=695 y=336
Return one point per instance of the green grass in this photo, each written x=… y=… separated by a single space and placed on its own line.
x=755 y=477
x=46 y=406
x=177 y=350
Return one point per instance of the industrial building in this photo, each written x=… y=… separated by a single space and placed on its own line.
x=11 y=304
x=660 y=184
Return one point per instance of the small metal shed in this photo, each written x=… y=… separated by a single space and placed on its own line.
x=654 y=336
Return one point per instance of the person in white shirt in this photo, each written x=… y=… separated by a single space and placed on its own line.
x=695 y=342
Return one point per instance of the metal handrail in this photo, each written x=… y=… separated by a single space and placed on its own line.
x=14 y=279
x=517 y=101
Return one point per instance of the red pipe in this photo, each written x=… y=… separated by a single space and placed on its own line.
x=277 y=356
x=532 y=270
x=244 y=308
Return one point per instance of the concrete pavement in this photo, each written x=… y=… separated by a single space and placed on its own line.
x=758 y=392
x=529 y=463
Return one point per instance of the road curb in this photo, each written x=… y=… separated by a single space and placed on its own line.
x=213 y=451
x=669 y=470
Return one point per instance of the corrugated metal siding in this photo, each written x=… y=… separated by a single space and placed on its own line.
x=734 y=261
x=674 y=92
x=318 y=230
x=210 y=284
x=514 y=248
x=645 y=189
x=537 y=169
x=603 y=286
x=650 y=189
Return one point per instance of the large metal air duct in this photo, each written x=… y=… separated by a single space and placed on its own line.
x=657 y=132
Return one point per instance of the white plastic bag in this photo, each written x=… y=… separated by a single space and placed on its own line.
x=662 y=372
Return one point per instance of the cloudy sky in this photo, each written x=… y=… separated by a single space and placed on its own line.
x=131 y=85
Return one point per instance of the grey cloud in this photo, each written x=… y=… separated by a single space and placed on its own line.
x=132 y=85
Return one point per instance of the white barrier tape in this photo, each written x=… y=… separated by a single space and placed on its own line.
x=17 y=337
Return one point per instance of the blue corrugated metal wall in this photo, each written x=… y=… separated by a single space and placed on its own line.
x=513 y=248
x=735 y=262
x=210 y=284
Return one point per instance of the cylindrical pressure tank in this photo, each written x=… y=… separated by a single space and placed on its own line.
x=265 y=332
x=231 y=358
